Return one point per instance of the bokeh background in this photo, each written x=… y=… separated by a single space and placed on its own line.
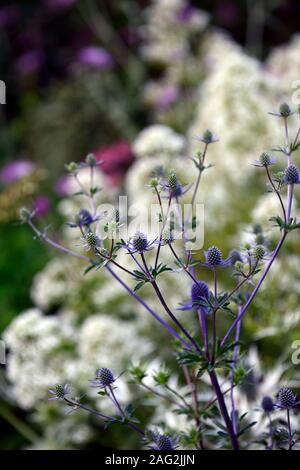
x=132 y=81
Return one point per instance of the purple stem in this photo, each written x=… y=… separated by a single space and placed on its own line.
x=289 y=429
x=223 y=409
x=203 y=326
x=255 y=290
x=137 y=297
x=119 y=408
x=140 y=300
x=234 y=358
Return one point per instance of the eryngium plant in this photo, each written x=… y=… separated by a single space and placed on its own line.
x=201 y=352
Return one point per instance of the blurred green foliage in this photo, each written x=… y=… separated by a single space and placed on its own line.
x=20 y=258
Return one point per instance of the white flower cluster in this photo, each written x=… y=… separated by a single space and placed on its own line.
x=284 y=64
x=171 y=31
x=233 y=102
x=39 y=354
x=159 y=140
x=55 y=283
x=49 y=350
x=166 y=36
x=167 y=151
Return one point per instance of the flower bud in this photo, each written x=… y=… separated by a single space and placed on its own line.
x=91 y=160
x=259 y=252
x=173 y=181
x=25 y=215
x=265 y=159
x=285 y=110
x=207 y=137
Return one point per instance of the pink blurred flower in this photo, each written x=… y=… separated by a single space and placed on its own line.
x=16 y=170
x=116 y=160
x=95 y=57
x=42 y=205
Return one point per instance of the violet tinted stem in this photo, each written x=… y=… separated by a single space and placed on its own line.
x=203 y=327
x=177 y=322
x=223 y=409
x=289 y=428
x=255 y=290
x=141 y=301
x=234 y=359
x=137 y=297
x=55 y=245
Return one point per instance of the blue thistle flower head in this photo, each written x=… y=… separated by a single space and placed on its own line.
x=59 y=392
x=285 y=110
x=164 y=442
x=104 y=377
x=214 y=258
x=267 y=404
x=174 y=187
x=291 y=175
x=139 y=243
x=286 y=398
x=83 y=219
x=207 y=137
x=90 y=162
x=235 y=256
x=91 y=241
x=265 y=160
x=199 y=293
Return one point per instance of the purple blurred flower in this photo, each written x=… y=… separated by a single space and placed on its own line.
x=63 y=186
x=16 y=170
x=96 y=57
x=227 y=12
x=58 y=4
x=168 y=95
x=131 y=36
x=30 y=62
x=42 y=205
x=186 y=13
x=9 y=15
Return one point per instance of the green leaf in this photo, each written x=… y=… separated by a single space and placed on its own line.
x=189 y=358
x=242 y=431
x=139 y=285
